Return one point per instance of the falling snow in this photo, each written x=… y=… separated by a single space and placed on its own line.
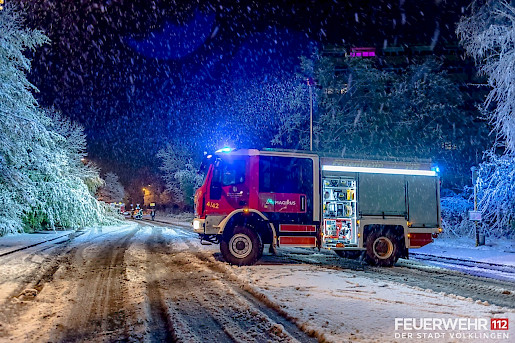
x=111 y=101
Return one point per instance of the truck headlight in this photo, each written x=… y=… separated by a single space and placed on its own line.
x=196 y=225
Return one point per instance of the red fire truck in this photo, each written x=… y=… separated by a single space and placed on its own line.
x=375 y=208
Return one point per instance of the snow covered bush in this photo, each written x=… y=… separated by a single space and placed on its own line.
x=496 y=195
x=454 y=212
x=496 y=201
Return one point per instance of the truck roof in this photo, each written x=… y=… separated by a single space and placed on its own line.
x=328 y=159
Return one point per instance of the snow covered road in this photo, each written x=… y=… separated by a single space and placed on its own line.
x=154 y=282
x=137 y=283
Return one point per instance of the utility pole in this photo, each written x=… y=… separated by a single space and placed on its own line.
x=474 y=183
x=310 y=85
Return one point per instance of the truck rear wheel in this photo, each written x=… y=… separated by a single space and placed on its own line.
x=243 y=248
x=382 y=249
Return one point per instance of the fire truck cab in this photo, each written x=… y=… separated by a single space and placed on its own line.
x=375 y=209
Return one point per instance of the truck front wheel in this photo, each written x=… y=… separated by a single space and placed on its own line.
x=382 y=249
x=243 y=248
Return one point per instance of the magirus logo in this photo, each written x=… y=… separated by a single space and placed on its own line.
x=286 y=202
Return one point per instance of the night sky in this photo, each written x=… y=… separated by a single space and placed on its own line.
x=120 y=67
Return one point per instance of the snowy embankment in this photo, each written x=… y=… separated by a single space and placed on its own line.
x=13 y=242
x=494 y=251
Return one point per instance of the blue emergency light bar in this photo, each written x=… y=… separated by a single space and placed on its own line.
x=380 y=170
x=225 y=149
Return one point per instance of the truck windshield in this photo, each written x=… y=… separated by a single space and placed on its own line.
x=233 y=172
x=227 y=173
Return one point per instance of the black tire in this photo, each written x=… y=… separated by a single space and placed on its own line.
x=350 y=254
x=243 y=248
x=383 y=249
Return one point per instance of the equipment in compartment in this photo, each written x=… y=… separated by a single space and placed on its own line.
x=338 y=229
x=330 y=229
x=339 y=210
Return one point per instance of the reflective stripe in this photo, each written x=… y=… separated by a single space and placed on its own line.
x=299 y=241
x=394 y=171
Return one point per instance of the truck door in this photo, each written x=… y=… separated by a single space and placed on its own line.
x=286 y=188
x=286 y=197
x=229 y=188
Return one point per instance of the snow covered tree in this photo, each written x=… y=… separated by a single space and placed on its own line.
x=363 y=110
x=112 y=190
x=42 y=178
x=22 y=135
x=75 y=146
x=63 y=198
x=488 y=35
x=180 y=174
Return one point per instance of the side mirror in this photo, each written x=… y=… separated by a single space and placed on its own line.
x=215 y=191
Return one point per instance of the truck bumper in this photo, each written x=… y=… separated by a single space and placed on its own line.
x=199 y=225
x=419 y=237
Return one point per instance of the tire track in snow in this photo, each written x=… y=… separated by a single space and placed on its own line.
x=180 y=321
x=205 y=305
x=98 y=309
x=159 y=326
